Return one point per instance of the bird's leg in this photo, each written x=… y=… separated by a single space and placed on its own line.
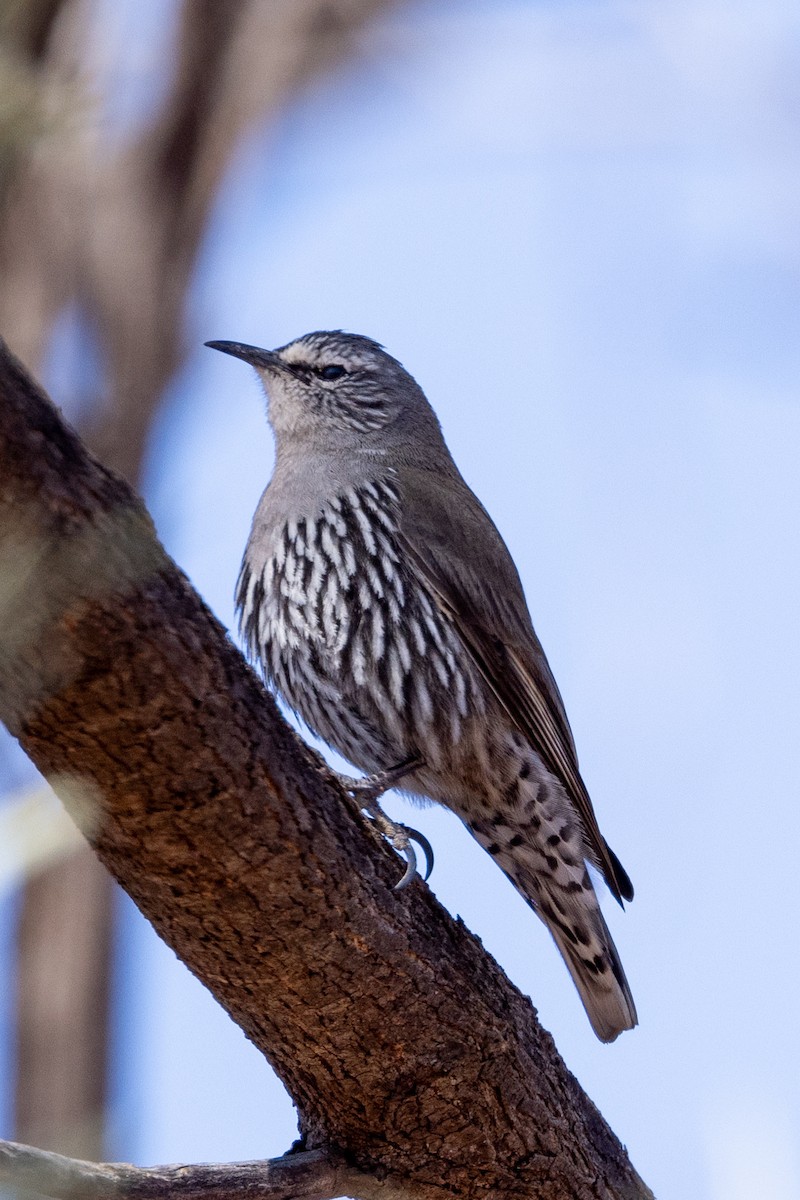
x=368 y=792
x=371 y=787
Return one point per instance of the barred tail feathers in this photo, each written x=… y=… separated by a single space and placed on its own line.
x=597 y=973
x=548 y=870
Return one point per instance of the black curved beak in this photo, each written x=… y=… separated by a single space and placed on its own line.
x=264 y=359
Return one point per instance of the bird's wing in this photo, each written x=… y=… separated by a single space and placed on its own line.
x=479 y=591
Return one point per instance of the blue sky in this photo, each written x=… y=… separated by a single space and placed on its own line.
x=575 y=223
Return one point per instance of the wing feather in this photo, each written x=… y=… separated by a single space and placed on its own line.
x=493 y=623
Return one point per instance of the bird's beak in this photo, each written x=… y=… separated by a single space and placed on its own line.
x=263 y=360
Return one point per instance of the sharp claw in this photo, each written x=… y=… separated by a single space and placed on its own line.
x=411 y=869
x=400 y=837
x=427 y=850
x=366 y=791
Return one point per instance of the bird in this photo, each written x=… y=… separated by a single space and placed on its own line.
x=384 y=607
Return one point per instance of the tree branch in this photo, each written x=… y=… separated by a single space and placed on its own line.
x=306 y=1175
x=402 y=1043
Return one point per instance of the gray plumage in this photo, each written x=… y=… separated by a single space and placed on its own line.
x=384 y=607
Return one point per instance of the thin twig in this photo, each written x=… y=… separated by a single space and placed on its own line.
x=306 y=1175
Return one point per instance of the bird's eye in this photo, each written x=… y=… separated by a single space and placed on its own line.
x=334 y=371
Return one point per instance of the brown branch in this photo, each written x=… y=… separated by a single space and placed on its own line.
x=402 y=1043
x=306 y=1175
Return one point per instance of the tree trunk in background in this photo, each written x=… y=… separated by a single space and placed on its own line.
x=64 y=945
x=115 y=230
x=64 y=934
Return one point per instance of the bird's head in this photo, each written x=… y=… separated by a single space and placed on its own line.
x=336 y=390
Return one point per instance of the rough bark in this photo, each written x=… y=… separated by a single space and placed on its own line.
x=405 y=1048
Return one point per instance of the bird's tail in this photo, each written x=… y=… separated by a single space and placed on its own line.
x=593 y=962
x=555 y=882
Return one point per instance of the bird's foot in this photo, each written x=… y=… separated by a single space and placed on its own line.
x=368 y=791
x=400 y=837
